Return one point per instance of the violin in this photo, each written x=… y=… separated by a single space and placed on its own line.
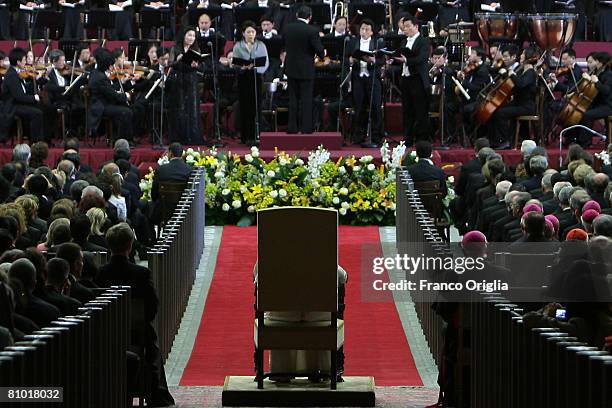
x=33 y=72
x=562 y=71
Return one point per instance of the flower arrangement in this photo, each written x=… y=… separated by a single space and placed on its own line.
x=362 y=192
x=604 y=157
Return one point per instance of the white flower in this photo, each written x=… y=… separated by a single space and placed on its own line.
x=366 y=159
x=254 y=151
x=219 y=174
x=163 y=160
x=225 y=207
x=341 y=170
x=274 y=193
x=335 y=200
x=190 y=151
x=299 y=162
x=392 y=206
x=271 y=173
x=371 y=167
x=283 y=161
x=213 y=151
x=251 y=209
x=248 y=158
x=345 y=205
x=236 y=204
x=282 y=192
x=225 y=191
x=451 y=179
x=356 y=168
x=343 y=191
x=189 y=158
x=342 y=211
x=243 y=189
x=413 y=153
x=142 y=185
x=315 y=183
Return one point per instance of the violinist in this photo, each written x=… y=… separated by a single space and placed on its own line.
x=152 y=58
x=496 y=59
x=523 y=103
x=600 y=74
x=16 y=101
x=106 y=101
x=565 y=78
x=56 y=86
x=474 y=77
x=443 y=91
x=84 y=58
x=4 y=65
x=509 y=53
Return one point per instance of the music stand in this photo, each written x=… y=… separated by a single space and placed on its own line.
x=69 y=47
x=429 y=10
x=274 y=46
x=321 y=15
x=142 y=46
x=193 y=15
x=375 y=12
x=49 y=21
x=218 y=44
x=100 y=20
x=333 y=45
x=150 y=18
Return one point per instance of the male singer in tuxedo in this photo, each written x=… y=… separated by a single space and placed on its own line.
x=302 y=42
x=366 y=84
x=414 y=83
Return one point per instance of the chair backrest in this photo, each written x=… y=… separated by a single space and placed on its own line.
x=431 y=194
x=528 y=270
x=170 y=193
x=297 y=255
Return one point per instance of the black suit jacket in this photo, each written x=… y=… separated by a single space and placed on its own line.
x=418 y=58
x=176 y=170
x=102 y=93
x=66 y=304
x=474 y=83
x=569 y=82
x=425 y=171
x=54 y=90
x=80 y=292
x=374 y=44
x=470 y=167
x=302 y=42
x=13 y=93
x=120 y=271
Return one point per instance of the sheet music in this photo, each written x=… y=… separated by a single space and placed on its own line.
x=157 y=7
x=26 y=8
x=114 y=7
x=486 y=7
x=71 y=5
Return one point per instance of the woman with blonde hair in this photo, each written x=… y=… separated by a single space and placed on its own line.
x=116 y=198
x=44 y=246
x=97 y=216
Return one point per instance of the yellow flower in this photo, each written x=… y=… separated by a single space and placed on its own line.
x=351 y=161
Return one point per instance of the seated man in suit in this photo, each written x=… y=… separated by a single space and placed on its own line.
x=425 y=169
x=72 y=254
x=120 y=271
x=57 y=287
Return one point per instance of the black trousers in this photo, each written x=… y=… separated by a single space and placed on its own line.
x=73 y=27
x=415 y=105
x=5 y=23
x=122 y=121
x=501 y=127
x=362 y=92
x=590 y=116
x=34 y=116
x=300 y=101
x=246 y=99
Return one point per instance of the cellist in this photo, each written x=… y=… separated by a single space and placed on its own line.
x=524 y=102
x=601 y=107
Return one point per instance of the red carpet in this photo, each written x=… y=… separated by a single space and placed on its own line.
x=375 y=341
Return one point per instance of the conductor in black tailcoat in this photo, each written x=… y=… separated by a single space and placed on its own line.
x=302 y=42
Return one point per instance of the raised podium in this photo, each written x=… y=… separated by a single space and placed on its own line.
x=297 y=141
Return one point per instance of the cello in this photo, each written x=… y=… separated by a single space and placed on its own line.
x=579 y=101
x=499 y=95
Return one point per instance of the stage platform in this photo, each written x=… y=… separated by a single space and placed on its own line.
x=286 y=141
x=353 y=392
x=146 y=155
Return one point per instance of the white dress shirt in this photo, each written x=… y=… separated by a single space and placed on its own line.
x=337 y=34
x=364 y=45
x=268 y=35
x=409 y=44
x=208 y=32
x=262 y=3
x=61 y=81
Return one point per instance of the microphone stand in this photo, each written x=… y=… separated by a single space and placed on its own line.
x=368 y=141
x=256 y=95
x=213 y=57
x=591 y=131
x=164 y=77
x=346 y=39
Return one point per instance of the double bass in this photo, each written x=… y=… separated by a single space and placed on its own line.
x=579 y=101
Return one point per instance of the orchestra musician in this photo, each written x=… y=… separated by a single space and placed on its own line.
x=451 y=11
x=566 y=78
x=16 y=101
x=474 y=77
x=442 y=86
x=249 y=83
x=152 y=58
x=509 y=54
x=302 y=42
x=57 y=84
x=107 y=101
x=185 y=124
x=414 y=83
x=366 y=84
x=601 y=107
x=123 y=21
x=523 y=102
x=71 y=14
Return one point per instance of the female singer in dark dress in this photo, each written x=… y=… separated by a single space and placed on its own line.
x=249 y=49
x=185 y=123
